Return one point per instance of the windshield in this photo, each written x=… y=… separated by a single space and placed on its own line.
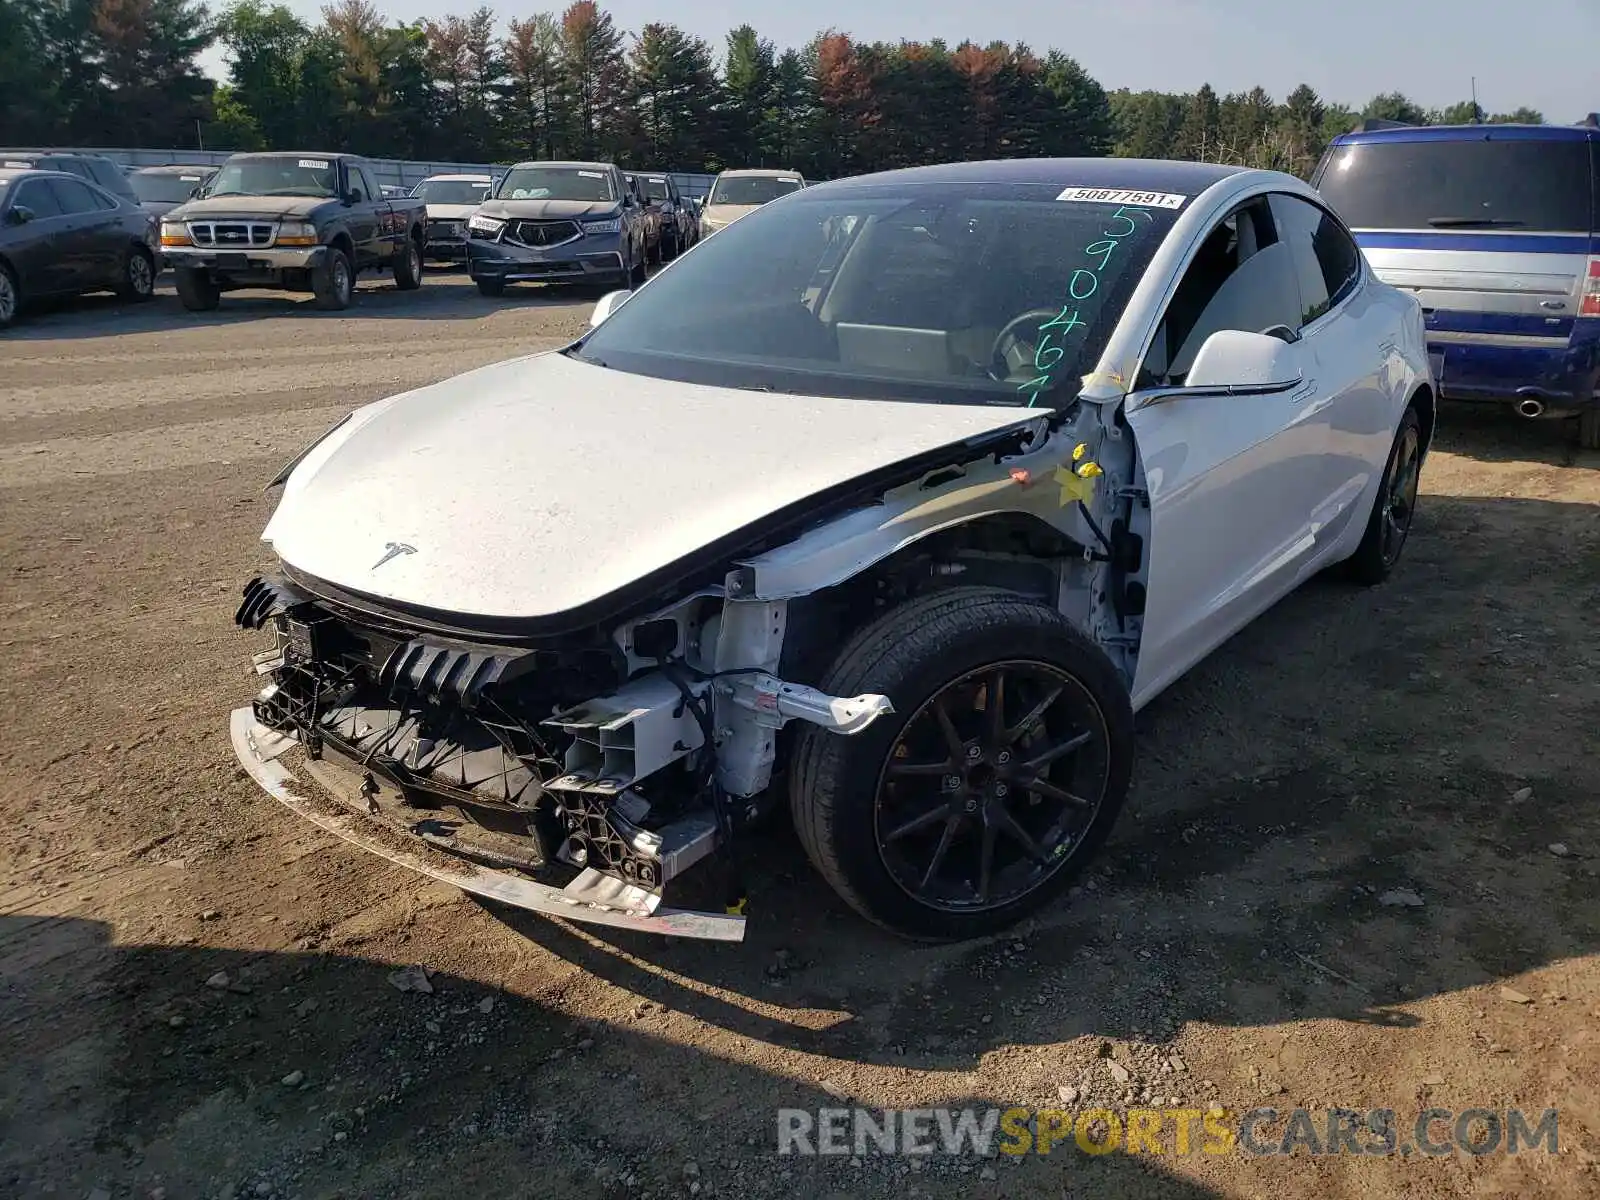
x=555 y=183
x=1521 y=184
x=750 y=189
x=164 y=188
x=656 y=189
x=275 y=177
x=965 y=294
x=452 y=191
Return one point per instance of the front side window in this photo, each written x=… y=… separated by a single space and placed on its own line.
x=1241 y=277
x=452 y=191
x=35 y=196
x=955 y=293
x=556 y=183
x=276 y=176
x=750 y=189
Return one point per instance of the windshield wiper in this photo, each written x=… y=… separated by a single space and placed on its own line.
x=1470 y=222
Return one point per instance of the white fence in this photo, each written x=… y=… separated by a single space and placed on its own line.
x=394 y=172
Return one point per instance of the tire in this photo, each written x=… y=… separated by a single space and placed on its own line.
x=490 y=286
x=1589 y=429
x=637 y=275
x=10 y=297
x=197 y=291
x=408 y=267
x=928 y=648
x=1386 y=531
x=670 y=249
x=137 y=279
x=333 y=283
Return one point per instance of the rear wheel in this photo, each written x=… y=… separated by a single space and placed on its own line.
x=1393 y=509
x=990 y=787
x=197 y=291
x=333 y=283
x=137 y=279
x=1589 y=429
x=10 y=296
x=408 y=267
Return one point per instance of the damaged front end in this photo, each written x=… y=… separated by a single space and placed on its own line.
x=575 y=776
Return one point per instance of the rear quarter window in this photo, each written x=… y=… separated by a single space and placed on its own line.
x=1527 y=184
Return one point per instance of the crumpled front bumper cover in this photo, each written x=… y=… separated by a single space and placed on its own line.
x=258 y=749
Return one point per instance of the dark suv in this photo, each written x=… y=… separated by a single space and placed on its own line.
x=558 y=222
x=96 y=168
x=1496 y=229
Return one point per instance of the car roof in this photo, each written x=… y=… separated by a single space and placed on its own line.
x=538 y=162
x=173 y=169
x=461 y=178
x=1129 y=174
x=8 y=174
x=328 y=154
x=1470 y=133
x=764 y=172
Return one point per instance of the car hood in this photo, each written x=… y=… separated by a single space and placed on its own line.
x=450 y=212
x=726 y=214
x=249 y=207
x=541 y=485
x=540 y=210
x=159 y=208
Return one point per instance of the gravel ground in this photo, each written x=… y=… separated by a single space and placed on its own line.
x=1358 y=867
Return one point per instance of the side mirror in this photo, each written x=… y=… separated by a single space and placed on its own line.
x=20 y=214
x=1234 y=359
x=608 y=304
x=354 y=196
x=627 y=200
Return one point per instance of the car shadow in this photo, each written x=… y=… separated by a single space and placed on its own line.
x=1287 y=854
x=1492 y=433
x=444 y=296
x=188 y=1071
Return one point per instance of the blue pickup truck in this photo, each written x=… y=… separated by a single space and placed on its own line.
x=1496 y=229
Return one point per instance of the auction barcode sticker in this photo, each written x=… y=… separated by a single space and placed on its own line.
x=1123 y=196
x=314 y=164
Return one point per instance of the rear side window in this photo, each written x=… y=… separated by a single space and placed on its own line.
x=1477 y=184
x=75 y=197
x=1327 y=262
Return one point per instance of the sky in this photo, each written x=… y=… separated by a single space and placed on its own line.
x=1348 y=50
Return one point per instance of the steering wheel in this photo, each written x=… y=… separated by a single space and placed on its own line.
x=1013 y=353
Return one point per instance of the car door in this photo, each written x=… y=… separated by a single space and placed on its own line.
x=362 y=217
x=1233 y=480
x=86 y=230
x=35 y=247
x=1348 y=339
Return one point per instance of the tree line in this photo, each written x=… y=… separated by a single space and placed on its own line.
x=572 y=85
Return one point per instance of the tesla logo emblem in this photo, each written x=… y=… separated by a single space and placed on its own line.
x=393 y=550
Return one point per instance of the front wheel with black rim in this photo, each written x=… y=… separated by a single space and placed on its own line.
x=137 y=279
x=333 y=281
x=1389 y=523
x=991 y=785
x=490 y=285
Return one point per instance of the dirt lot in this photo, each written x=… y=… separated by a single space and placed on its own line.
x=1434 y=736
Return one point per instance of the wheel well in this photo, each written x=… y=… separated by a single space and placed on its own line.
x=1015 y=551
x=341 y=241
x=1422 y=400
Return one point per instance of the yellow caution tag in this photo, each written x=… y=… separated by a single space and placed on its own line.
x=1079 y=451
x=1089 y=470
x=737 y=910
x=1073 y=488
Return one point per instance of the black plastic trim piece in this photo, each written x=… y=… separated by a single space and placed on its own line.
x=266 y=597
